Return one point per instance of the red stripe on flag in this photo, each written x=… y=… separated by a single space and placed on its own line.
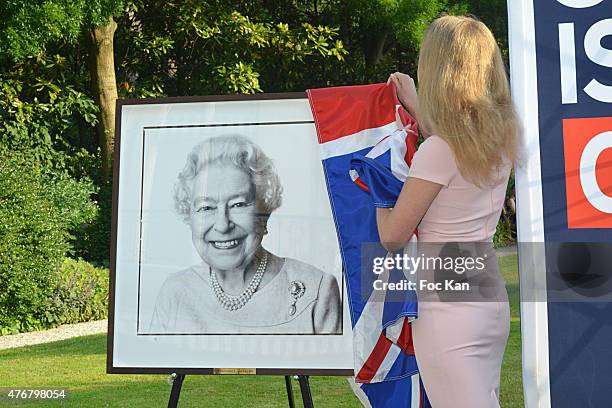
x=346 y=110
x=411 y=143
x=361 y=184
x=405 y=338
x=375 y=359
x=421 y=398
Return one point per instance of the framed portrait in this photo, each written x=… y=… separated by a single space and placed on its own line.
x=224 y=249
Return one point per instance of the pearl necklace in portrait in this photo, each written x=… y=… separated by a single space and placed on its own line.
x=235 y=302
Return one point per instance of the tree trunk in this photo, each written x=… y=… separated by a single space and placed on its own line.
x=102 y=69
x=373 y=47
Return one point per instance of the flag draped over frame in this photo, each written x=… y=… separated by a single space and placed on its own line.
x=367 y=142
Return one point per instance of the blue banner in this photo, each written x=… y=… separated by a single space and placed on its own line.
x=573 y=46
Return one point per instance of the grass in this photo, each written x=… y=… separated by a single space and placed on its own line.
x=511 y=392
x=79 y=366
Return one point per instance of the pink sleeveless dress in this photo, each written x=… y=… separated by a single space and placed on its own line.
x=459 y=345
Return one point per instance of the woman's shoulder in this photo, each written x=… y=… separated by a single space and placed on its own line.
x=184 y=280
x=434 y=161
x=435 y=143
x=295 y=268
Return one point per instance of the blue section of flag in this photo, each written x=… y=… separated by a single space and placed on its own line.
x=392 y=394
x=404 y=366
x=399 y=303
x=355 y=219
x=384 y=187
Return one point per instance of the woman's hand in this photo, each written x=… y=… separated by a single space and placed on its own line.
x=406 y=91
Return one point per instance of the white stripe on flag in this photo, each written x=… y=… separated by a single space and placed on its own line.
x=369 y=325
x=367 y=330
x=393 y=331
x=356 y=141
x=359 y=393
x=416 y=392
x=396 y=143
x=387 y=363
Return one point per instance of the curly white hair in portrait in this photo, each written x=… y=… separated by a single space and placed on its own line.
x=242 y=153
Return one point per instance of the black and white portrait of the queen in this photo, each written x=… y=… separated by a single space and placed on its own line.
x=224 y=196
x=224 y=250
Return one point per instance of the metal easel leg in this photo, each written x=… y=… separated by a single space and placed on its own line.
x=289 y=391
x=305 y=389
x=177 y=383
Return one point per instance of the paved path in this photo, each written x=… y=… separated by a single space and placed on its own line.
x=59 y=333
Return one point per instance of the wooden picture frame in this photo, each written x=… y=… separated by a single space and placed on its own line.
x=154 y=243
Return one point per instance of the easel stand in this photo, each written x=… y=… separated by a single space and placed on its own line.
x=177 y=383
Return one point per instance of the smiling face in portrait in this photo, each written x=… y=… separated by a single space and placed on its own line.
x=224 y=227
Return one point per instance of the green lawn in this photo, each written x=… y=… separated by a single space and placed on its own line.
x=79 y=366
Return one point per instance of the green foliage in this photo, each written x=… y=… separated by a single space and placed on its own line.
x=44 y=116
x=380 y=36
x=39 y=210
x=27 y=27
x=239 y=78
x=505 y=233
x=93 y=240
x=214 y=47
x=413 y=18
x=80 y=295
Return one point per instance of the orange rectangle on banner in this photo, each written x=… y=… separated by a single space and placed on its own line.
x=588 y=172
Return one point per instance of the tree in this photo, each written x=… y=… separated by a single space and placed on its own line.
x=104 y=84
x=215 y=47
x=384 y=35
x=29 y=27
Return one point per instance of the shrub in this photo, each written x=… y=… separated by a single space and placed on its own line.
x=93 y=241
x=505 y=233
x=80 y=295
x=38 y=211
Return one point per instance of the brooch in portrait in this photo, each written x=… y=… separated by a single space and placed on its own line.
x=296 y=290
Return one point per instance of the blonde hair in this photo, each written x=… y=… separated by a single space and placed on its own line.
x=464 y=96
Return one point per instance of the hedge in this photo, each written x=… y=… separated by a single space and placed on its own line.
x=39 y=211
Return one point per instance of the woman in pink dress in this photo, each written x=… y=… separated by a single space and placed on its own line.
x=454 y=194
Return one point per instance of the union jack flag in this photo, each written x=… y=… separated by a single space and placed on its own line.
x=367 y=142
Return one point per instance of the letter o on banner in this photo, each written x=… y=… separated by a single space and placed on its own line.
x=579 y=3
x=588 y=172
x=592 y=43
